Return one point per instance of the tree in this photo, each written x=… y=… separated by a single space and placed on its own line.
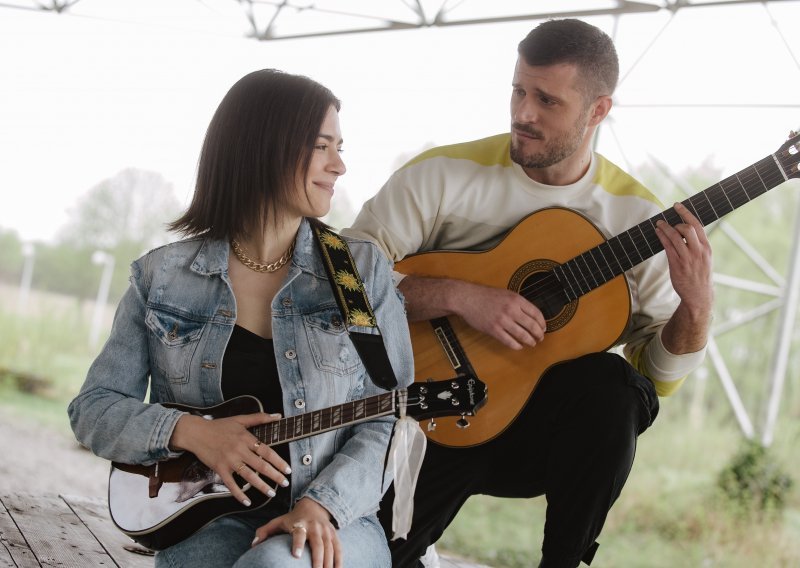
x=125 y=216
x=131 y=207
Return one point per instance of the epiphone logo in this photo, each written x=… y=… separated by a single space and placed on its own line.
x=471 y=391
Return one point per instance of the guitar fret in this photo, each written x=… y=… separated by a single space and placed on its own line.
x=736 y=177
x=618 y=265
x=728 y=199
x=599 y=266
x=620 y=253
x=568 y=264
x=589 y=269
x=737 y=193
x=690 y=205
x=705 y=194
x=633 y=246
x=646 y=240
x=565 y=280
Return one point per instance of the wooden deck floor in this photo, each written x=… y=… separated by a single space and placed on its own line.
x=76 y=532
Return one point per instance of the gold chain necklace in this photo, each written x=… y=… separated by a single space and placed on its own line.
x=240 y=253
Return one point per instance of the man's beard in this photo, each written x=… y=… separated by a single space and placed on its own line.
x=555 y=150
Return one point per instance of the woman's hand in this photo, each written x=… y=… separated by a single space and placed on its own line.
x=309 y=522
x=227 y=446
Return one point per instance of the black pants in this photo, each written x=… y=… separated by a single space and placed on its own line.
x=573 y=442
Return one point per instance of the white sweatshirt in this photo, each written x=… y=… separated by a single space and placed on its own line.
x=467 y=197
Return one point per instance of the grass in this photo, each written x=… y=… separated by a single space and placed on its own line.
x=670 y=513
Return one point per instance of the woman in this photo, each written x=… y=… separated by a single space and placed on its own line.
x=206 y=320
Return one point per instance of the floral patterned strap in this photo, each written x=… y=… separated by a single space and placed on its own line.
x=348 y=289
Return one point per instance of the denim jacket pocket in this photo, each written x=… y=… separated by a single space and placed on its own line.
x=330 y=346
x=173 y=341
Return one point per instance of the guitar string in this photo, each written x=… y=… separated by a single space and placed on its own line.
x=692 y=202
x=285 y=428
x=302 y=425
x=743 y=187
x=701 y=203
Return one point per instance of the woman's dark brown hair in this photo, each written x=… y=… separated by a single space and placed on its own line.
x=261 y=136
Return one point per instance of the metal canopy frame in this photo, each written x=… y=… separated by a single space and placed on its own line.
x=265 y=18
x=272 y=20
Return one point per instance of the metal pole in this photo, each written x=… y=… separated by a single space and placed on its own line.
x=730 y=389
x=28 y=253
x=785 y=328
x=100 y=257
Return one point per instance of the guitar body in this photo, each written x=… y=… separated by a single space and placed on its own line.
x=190 y=495
x=160 y=505
x=589 y=324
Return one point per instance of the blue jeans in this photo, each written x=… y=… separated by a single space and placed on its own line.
x=226 y=543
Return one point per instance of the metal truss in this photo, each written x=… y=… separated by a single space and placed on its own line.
x=270 y=20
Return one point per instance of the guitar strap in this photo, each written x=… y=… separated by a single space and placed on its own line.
x=348 y=289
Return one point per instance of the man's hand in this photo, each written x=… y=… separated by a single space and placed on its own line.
x=690 y=270
x=502 y=314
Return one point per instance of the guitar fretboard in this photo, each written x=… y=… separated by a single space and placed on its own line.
x=608 y=260
x=317 y=421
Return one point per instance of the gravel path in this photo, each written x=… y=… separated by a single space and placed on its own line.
x=39 y=460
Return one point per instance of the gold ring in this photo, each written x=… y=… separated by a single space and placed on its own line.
x=257 y=445
x=298 y=527
x=240 y=467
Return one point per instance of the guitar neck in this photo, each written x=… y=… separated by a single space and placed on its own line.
x=608 y=260
x=318 y=421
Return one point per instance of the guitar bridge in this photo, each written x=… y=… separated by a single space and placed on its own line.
x=154 y=483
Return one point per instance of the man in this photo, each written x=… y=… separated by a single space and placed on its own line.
x=574 y=439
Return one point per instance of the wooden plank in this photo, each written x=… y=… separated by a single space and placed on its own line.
x=94 y=514
x=54 y=534
x=14 y=551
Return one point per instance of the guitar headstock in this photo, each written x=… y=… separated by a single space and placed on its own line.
x=460 y=396
x=789 y=155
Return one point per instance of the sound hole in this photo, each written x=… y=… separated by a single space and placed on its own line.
x=536 y=282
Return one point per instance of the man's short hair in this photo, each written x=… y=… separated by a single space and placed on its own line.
x=581 y=44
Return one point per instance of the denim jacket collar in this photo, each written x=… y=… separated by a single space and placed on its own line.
x=212 y=258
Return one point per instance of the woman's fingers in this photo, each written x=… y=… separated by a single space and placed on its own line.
x=299 y=534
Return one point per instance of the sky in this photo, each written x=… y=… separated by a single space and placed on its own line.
x=83 y=96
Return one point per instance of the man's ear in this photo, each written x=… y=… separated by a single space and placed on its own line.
x=600 y=109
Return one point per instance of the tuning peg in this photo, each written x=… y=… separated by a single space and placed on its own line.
x=432 y=425
x=462 y=423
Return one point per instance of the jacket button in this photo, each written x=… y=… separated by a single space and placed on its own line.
x=299 y=403
x=290 y=354
x=287 y=302
x=307 y=459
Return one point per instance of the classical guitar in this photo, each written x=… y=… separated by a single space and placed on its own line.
x=162 y=504
x=583 y=295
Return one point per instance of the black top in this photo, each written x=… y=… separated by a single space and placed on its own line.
x=249 y=367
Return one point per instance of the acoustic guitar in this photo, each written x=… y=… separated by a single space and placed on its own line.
x=562 y=263
x=162 y=504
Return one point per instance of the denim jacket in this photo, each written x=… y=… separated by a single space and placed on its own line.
x=173 y=325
